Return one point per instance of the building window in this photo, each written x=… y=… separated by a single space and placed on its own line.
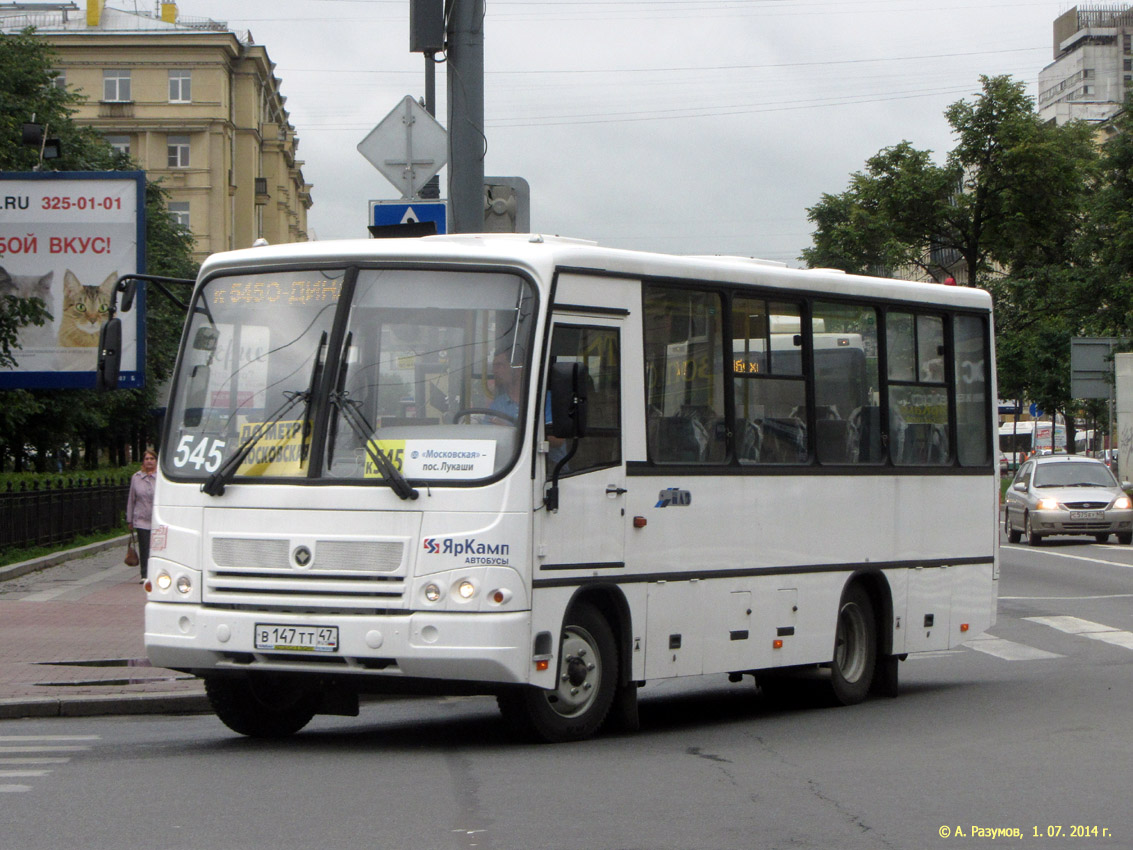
x=180 y=212
x=1128 y=64
x=116 y=85
x=1127 y=42
x=119 y=143
x=180 y=86
x=178 y=150
x=58 y=79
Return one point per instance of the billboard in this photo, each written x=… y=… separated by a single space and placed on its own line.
x=66 y=237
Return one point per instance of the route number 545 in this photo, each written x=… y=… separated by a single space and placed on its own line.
x=206 y=454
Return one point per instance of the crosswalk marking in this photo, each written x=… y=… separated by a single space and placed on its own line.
x=23 y=756
x=1087 y=628
x=1053 y=554
x=1008 y=650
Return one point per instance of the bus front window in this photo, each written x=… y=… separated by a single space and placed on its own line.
x=420 y=377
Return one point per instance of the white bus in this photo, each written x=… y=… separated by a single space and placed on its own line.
x=540 y=469
x=1019 y=440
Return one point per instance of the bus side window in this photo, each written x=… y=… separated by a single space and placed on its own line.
x=598 y=349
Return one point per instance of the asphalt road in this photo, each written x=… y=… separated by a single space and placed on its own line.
x=1027 y=729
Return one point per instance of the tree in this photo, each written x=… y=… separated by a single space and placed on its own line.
x=51 y=419
x=1007 y=209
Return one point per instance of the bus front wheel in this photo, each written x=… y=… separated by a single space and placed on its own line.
x=261 y=706
x=585 y=686
x=855 y=648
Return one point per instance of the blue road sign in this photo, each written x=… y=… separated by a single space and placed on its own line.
x=1035 y=411
x=385 y=213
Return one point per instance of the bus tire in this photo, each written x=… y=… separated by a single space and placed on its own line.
x=261 y=707
x=587 y=680
x=855 y=647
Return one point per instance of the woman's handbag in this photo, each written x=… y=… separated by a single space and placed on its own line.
x=131 y=552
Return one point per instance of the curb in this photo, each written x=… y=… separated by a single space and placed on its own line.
x=99 y=706
x=24 y=567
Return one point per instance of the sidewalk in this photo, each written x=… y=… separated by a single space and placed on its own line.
x=71 y=642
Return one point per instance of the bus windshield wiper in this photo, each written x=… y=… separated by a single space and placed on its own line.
x=216 y=482
x=348 y=409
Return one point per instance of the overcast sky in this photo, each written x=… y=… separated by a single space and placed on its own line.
x=685 y=126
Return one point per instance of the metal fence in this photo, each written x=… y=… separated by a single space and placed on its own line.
x=35 y=515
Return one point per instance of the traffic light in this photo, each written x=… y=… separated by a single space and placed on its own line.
x=34 y=135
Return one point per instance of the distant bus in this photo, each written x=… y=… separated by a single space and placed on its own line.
x=1019 y=440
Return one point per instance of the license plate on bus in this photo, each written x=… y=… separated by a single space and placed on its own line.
x=1087 y=515
x=281 y=637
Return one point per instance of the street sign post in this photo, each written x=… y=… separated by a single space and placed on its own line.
x=388 y=213
x=408 y=147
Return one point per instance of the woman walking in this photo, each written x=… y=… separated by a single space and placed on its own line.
x=139 y=505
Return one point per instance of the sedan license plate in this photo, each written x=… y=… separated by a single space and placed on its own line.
x=286 y=638
x=1087 y=515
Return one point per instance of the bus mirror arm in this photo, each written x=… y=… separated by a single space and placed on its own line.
x=551 y=499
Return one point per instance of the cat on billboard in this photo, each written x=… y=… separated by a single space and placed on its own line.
x=66 y=238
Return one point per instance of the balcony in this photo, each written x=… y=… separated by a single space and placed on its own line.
x=116 y=109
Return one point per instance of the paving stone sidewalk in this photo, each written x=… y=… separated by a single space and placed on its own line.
x=71 y=641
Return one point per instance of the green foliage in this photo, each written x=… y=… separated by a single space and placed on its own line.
x=61 y=422
x=1026 y=208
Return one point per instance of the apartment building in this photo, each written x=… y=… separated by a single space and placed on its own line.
x=196 y=105
x=1092 y=67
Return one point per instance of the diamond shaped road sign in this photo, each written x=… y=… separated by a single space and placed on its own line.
x=408 y=147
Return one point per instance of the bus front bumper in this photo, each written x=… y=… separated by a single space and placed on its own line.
x=478 y=647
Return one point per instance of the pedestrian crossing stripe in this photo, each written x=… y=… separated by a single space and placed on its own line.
x=1008 y=650
x=1087 y=628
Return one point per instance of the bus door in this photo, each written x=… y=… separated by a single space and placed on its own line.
x=587 y=531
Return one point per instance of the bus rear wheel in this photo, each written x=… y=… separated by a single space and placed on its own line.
x=855 y=648
x=586 y=682
x=262 y=706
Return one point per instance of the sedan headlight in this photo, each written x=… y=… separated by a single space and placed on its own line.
x=1047 y=505
x=1122 y=503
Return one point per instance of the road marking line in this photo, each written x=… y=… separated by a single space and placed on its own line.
x=1008 y=650
x=14 y=774
x=936 y=653
x=1087 y=628
x=14 y=789
x=1072 y=557
x=26 y=738
x=42 y=749
x=1067 y=598
x=1071 y=625
x=15 y=761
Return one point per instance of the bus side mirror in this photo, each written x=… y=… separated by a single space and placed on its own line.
x=568 y=383
x=109 y=355
x=196 y=396
x=129 y=289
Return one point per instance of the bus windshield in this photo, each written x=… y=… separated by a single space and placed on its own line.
x=313 y=373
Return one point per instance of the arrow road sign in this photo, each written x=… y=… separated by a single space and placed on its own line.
x=385 y=213
x=408 y=147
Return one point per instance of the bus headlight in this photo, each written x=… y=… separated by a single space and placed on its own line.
x=184 y=584
x=432 y=592
x=164 y=581
x=466 y=589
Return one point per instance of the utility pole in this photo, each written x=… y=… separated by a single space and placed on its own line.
x=466 y=139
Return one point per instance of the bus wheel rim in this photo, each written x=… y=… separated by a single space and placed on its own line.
x=580 y=674
x=850 y=643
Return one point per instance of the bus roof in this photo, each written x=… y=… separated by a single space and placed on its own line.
x=547 y=254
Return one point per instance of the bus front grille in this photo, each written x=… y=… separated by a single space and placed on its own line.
x=278 y=574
